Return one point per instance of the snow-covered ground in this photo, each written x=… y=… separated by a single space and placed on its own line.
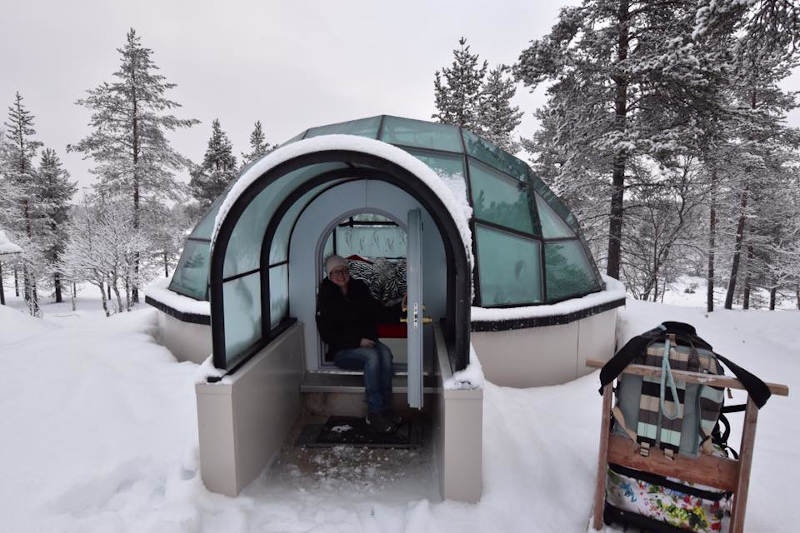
x=99 y=435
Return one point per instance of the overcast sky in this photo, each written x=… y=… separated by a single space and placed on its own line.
x=292 y=64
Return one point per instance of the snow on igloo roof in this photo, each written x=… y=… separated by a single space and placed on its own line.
x=526 y=243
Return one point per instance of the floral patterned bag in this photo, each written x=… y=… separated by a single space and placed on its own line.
x=657 y=503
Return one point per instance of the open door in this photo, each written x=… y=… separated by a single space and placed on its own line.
x=414 y=311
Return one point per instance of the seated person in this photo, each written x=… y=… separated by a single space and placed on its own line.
x=347 y=320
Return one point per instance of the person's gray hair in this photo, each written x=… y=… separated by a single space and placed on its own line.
x=334 y=261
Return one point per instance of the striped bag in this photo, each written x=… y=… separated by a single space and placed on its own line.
x=678 y=417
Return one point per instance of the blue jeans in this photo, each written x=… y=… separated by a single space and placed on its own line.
x=376 y=362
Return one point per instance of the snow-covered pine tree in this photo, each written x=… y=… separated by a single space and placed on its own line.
x=497 y=118
x=457 y=89
x=218 y=168
x=777 y=21
x=130 y=119
x=19 y=198
x=54 y=196
x=762 y=35
x=761 y=136
x=258 y=145
x=770 y=231
x=627 y=80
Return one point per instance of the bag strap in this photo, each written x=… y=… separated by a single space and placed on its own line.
x=626 y=354
x=667 y=380
x=757 y=389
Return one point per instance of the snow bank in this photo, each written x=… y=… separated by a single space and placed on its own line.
x=470 y=377
x=614 y=290
x=100 y=434
x=158 y=290
x=15 y=327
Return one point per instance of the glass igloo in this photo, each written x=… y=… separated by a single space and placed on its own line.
x=499 y=247
x=492 y=263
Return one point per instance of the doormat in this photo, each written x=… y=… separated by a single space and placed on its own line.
x=354 y=431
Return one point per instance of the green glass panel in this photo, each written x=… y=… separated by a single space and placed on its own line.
x=421 y=134
x=510 y=271
x=365 y=127
x=205 y=227
x=242 y=305
x=445 y=165
x=244 y=247
x=450 y=168
x=495 y=156
x=554 y=202
x=278 y=294
x=499 y=199
x=569 y=272
x=191 y=274
x=553 y=227
x=280 y=241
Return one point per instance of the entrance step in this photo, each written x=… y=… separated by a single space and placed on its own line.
x=337 y=382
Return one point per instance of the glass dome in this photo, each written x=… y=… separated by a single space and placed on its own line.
x=527 y=244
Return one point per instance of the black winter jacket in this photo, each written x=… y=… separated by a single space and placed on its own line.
x=342 y=320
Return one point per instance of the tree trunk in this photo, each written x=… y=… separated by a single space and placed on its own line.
x=737 y=250
x=620 y=158
x=104 y=300
x=128 y=303
x=30 y=292
x=2 y=289
x=772 y=297
x=747 y=277
x=117 y=294
x=74 y=297
x=166 y=265
x=108 y=290
x=656 y=270
x=57 y=286
x=712 y=237
x=16 y=282
x=615 y=219
x=135 y=147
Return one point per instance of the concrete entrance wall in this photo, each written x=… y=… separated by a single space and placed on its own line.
x=244 y=419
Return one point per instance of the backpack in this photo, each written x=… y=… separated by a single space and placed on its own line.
x=678 y=417
x=660 y=411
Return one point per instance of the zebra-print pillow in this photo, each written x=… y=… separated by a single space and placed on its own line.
x=393 y=279
x=365 y=272
x=386 y=279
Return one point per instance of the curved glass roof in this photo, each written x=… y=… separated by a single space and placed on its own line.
x=527 y=244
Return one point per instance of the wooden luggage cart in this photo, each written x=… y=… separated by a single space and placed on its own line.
x=723 y=473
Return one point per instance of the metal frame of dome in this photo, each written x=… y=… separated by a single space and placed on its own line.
x=544 y=224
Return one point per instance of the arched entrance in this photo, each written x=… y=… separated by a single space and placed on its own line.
x=264 y=264
x=251 y=287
